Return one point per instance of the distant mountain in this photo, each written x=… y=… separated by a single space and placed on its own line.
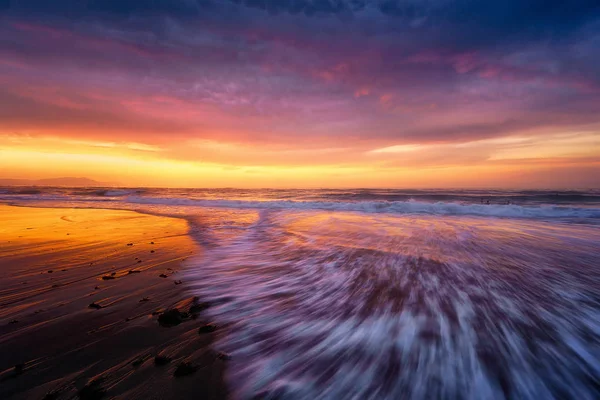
x=66 y=181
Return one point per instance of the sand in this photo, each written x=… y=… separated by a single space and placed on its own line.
x=81 y=294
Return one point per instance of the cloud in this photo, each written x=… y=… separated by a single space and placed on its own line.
x=299 y=74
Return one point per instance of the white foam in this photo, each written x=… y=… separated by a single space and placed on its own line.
x=392 y=207
x=362 y=309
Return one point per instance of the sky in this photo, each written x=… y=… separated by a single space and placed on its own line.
x=302 y=93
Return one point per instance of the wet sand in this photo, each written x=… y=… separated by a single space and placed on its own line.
x=81 y=295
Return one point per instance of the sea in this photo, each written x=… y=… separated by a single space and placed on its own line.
x=388 y=294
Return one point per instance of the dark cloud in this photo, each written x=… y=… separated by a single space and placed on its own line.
x=306 y=7
x=110 y=7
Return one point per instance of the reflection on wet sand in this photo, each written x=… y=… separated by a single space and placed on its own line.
x=80 y=299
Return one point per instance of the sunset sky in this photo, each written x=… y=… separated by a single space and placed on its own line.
x=302 y=93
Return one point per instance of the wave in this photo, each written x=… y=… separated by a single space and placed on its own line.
x=105 y=192
x=371 y=307
x=58 y=191
x=394 y=207
x=118 y=193
x=28 y=191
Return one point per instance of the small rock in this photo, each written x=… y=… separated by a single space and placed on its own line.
x=14 y=321
x=151 y=251
x=145 y=299
x=50 y=271
x=95 y=306
x=163 y=276
x=56 y=285
x=107 y=277
x=208 y=328
x=97 y=287
x=113 y=273
x=63 y=270
x=161 y=360
x=129 y=244
x=134 y=271
x=185 y=368
x=199 y=307
x=139 y=261
x=52 y=395
x=171 y=318
x=151 y=242
x=93 y=390
x=139 y=361
x=178 y=282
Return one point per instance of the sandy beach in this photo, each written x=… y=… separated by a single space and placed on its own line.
x=83 y=295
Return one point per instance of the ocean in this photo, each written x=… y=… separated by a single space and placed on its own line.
x=388 y=294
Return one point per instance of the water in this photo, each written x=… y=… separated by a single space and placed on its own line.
x=386 y=294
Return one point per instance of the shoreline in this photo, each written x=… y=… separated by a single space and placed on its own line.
x=81 y=293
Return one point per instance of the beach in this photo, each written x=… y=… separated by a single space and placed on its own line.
x=299 y=294
x=81 y=295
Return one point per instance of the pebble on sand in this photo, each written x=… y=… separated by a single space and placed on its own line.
x=95 y=306
x=93 y=390
x=172 y=317
x=185 y=368
x=208 y=328
x=139 y=361
x=198 y=307
x=163 y=275
x=52 y=395
x=107 y=277
x=161 y=360
x=178 y=282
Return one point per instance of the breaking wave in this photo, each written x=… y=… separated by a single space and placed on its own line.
x=394 y=207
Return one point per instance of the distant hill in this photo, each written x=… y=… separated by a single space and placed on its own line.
x=66 y=181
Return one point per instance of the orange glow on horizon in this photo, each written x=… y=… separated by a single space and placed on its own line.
x=140 y=164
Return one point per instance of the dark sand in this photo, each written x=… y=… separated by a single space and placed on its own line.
x=65 y=332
